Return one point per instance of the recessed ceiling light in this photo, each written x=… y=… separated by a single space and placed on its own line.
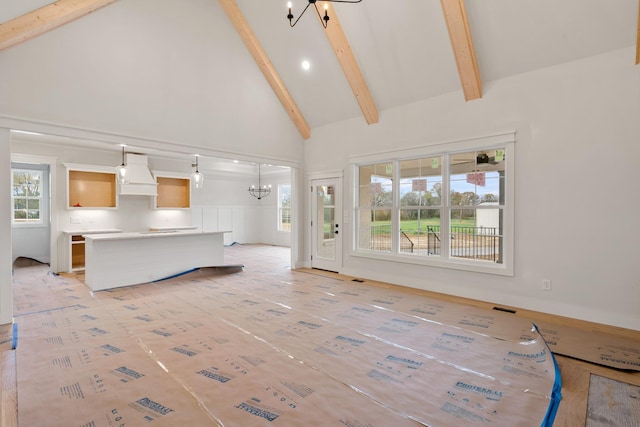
x=236 y=161
x=306 y=65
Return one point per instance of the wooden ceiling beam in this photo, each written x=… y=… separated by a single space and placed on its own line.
x=340 y=45
x=264 y=63
x=46 y=18
x=455 y=16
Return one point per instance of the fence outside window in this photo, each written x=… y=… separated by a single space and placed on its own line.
x=476 y=243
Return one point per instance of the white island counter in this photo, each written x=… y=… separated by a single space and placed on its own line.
x=123 y=259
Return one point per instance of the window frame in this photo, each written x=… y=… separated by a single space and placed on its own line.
x=446 y=149
x=41 y=200
x=281 y=208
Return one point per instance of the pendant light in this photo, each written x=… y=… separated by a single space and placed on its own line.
x=197 y=178
x=122 y=171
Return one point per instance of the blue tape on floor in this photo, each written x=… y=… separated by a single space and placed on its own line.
x=14 y=342
x=556 y=390
x=47 y=310
x=176 y=275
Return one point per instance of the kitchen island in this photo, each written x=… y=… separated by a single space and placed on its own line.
x=123 y=259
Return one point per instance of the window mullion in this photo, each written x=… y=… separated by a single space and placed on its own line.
x=395 y=209
x=445 y=209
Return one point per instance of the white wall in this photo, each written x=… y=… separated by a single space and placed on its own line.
x=227 y=205
x=6 y=293
x=577 y=150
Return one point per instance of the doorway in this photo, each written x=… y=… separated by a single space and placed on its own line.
x=326 y=230
x=31 y=218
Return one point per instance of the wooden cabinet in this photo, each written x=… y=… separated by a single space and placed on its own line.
x=173 y=193
x=77 y=252
x=91 y=189
x=75 y=246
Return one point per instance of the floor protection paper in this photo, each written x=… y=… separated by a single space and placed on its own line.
x=265 y=348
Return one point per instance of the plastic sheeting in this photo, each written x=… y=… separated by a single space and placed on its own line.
x=274 y=349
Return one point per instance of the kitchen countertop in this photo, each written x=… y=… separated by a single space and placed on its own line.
x=180 y=227
x=94 y=231
x=148 y=234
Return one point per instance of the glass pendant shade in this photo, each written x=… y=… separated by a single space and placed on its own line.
x=122 y=172
x=197 y=178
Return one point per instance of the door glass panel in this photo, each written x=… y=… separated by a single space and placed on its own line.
x=325 y=220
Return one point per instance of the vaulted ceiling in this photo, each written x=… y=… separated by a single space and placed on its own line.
x=376 y=55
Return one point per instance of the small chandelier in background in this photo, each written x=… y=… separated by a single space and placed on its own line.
x=122 y=171
x=260 y=191
x=324 y=19
x=197 y=179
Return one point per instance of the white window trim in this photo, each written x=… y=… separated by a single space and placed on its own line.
x=506 y=140
x=29 y=224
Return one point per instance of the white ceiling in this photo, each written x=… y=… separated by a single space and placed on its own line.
x=402 y=46
x=404 y=52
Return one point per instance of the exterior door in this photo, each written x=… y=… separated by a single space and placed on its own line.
x=326 y=224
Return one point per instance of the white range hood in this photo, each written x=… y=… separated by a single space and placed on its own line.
x=141 y=180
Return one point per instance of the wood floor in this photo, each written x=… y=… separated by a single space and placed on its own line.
x=575 y=389
x=575 y=373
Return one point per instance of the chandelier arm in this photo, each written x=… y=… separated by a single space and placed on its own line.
x=322 y=19
x=300 y=16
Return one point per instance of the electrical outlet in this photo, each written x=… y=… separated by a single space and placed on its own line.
x=546 y=284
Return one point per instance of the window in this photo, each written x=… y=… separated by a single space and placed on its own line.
x=375 y=206
x=26 y=196
x=476 y=204
x=284 y=207
x=420 y=204
x=449 y=208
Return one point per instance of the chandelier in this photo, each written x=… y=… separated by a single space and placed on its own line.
x=260 y=191
x=324 y=19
